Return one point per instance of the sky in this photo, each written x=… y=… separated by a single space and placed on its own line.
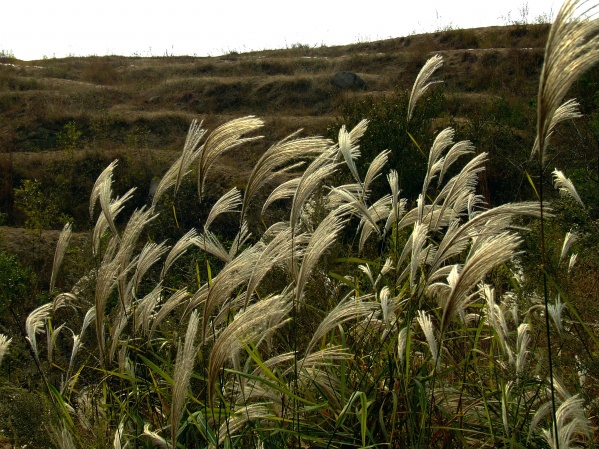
x=32 y=29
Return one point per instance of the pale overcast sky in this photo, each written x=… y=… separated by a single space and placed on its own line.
x=32 y=29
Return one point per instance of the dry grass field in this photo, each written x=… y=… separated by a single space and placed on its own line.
x=277 y=260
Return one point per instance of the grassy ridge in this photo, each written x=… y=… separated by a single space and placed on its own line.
x=55 y=113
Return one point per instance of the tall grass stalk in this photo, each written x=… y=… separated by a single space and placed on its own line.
x=572 y=48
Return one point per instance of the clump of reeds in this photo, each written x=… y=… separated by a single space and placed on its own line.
x=407 y=347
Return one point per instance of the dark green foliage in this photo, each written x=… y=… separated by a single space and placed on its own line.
x=24 y=417
x=388 y=129
x=17 y=283
x=41 y=210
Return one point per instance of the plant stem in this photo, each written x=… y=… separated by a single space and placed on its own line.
x=546 y=299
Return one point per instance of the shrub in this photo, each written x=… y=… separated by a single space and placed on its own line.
x=101 y=71
x=17 y=283
x=389 y=129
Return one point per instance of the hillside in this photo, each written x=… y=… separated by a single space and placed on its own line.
x=416 y=279
x=63 y=120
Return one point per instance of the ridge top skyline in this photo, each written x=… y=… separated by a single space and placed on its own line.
x=34 y=29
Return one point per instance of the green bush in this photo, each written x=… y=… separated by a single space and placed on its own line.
x=389 y=129
x=17 y=283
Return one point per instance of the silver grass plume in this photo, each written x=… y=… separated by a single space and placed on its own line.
x=116 y=206
x=496 y=319
x=398 y=205
x=565 y=186
x=281 y=192
x=320 y=168
x=374 y=170
x=402 y=341
x=51 y=335
x=248 y=326
x=418 y=239
x=435 y=162
x=522 y=347
x=118 y=326
x=210 y=243
x=571 y=422
x=221 y=140
x=145 y=308
x=368 y=272
x=235 y=273
x=457 y=150
x=117 y=443
x=493 y=221
x=276 y=360
x=322 y=357
x=358 y=131
x=190 y=152
x=4 y=344
x=573 y=258
x=422 y=84
x=150 y=254
x=350 y=151
x=76 y=346
x=226 y=203
x=343 y=312
x=240 y=238
x=105 y=282
x=87 y=320
x=156 y=439
x=277 y=251
x=486 y=253
x=567 y=111
x=387 y=310
x=555 y=311
x=473 y=205
x=102 y=192
x=428 y=328
x=136 y=224
x=457 y=191
x=324 y=236
x=34 y=324
x=569 y=240
x=168 y=306
x=379 y=211
x=103 y=178
x=347 y=202
x=61 y=248
x=178 y=249
x=454 y=242
x=246 y=413
x=273 y=162
x=572 y=48
x=180 y=167
x=124 y=260
x=572 y=425
x=183 y=368
x=505 y=394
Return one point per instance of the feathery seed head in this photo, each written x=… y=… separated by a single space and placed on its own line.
x=428 y=328
x=421 y=85
x=572 y=48
x=4 y=344
x=569 y=240
x=565 y=186
x=183 y=368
